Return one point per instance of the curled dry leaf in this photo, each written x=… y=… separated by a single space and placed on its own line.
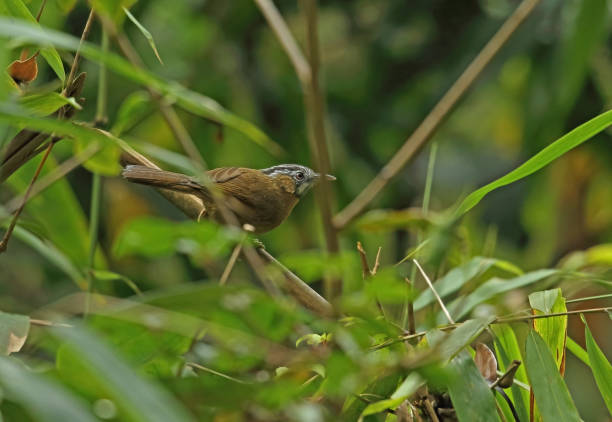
x=486 y=362
x=25 y=69
x=13 y=332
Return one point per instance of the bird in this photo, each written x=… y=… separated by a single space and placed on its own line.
x=259 y=198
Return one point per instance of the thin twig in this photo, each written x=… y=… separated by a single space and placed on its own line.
x=303 y=293
x=430 y=410
x=410 y=309
x=531 y=317
x=40 y=10
x=77 y=55
x=46 y=323
x=9 y=231
x=230 y=264
x=365 y=267
x=438 y=298
x=435 y=117
x=278 y=25
x=307 y=73
x=212 y=371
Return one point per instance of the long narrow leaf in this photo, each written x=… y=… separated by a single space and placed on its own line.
x=139 y=398
x=602 y=370
x=553 y=151
x=189 y=100
x=551 y=394
x=46 y=400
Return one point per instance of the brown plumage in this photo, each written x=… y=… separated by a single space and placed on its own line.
x=262 y=198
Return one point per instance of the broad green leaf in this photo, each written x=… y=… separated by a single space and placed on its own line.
x=56 y=209
x=552 y=397
x=458 y=276
x=462 y=306
x=507 y=350
x=145 y=32
x=408 y=387
x=602 y=370
x=461 y=337
x=385 y=220
x=45 y=104
x=189 y=100
x=153 y=237
x=19 y=10
x=13 y=332
x=132 y=111
x=553 y=151
x=553 y=330
x=471 y=396
x=105 y=161
x=137 y=398
x=44 y=399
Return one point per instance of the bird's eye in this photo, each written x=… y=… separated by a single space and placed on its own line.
x=299 y=175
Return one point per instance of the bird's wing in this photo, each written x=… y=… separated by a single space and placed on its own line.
x=225 y=174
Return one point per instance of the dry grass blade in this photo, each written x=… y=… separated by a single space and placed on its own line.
x=438 y=298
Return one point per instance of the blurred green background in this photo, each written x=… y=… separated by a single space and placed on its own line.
x=385 y=63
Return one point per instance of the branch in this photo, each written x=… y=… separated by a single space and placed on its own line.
x=436 y=116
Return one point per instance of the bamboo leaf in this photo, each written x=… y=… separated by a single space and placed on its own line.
x=46 y=400
x=551 y=394
x=46 y=104
x=145 y=32
x=507 y=350
x=602 y=370
x=191 y=101
x=553 y=151
x=471 y=396
x=553 y=330
x=138 y=398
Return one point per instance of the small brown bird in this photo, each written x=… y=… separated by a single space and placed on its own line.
x=262 y=198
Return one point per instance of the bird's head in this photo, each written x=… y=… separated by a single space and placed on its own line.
x=303 y=177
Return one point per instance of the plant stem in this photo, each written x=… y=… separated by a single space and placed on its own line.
x=102 y=85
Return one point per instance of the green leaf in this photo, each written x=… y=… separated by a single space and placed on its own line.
x=552 y=397
x=189 y=100
x=553 y=330
x=52 y=254
x=13 y=332
x=145 y=32
x=56 y=208
x=132 y=111
x=553 y=151
x=136 y=397
x=105 y=161
x=463 y=305
x=578 y=351
x=154 y=237
x=602 y=370
x=458 y=276
x=471 y=396
x=507 y=350
x=45 y=104
x=103 y=275
x=462 y=336
x=46 y=400
x=66 y=6
x=17 y=9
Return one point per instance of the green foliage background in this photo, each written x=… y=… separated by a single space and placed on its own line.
x=384 y=64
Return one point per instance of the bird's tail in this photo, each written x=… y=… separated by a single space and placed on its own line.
x=163 y=179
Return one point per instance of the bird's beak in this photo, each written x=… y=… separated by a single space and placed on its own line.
x=329 y=177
